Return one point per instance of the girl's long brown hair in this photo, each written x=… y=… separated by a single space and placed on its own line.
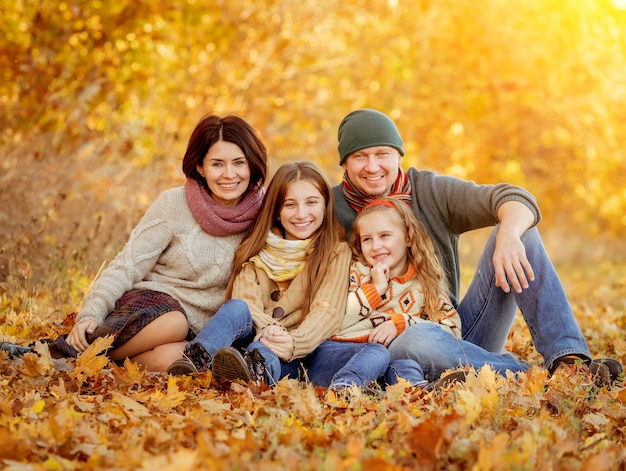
x=420 y=249
x=324 y=241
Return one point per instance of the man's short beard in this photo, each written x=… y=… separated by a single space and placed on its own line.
x=380 y=194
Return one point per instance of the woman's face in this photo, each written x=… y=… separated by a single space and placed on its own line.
x=227 y=173
x=302 y=212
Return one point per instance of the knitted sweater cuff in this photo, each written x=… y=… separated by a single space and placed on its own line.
x=370 y=292
x=399 y=321
x=524 y=201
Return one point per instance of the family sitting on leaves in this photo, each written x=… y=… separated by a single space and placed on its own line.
x=350 y=285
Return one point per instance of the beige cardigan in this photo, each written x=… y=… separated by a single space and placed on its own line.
x=307 y=329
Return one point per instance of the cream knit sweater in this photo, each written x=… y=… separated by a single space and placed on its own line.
x=402 y=303
x=168 y=252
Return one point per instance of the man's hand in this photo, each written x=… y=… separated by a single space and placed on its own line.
x=384 y=333
x=511 y=265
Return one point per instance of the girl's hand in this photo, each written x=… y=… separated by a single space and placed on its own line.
x=77 y=338
x=384 y=333
x=267 y=331
x=277 y=340
x=380 y=277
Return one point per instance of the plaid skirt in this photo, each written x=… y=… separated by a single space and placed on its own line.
x=132 y=312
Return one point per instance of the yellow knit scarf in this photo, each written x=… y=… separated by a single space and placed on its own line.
x=280 y=258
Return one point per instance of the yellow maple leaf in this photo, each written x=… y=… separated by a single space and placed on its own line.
x=135 y=373
x=491 y=452
x=38 y=364
x=489 y=394
x=31 y=366
x=527 y=447
x=172 y=398
x=130 y=406
x=38 y=406
x=57 y=462
x=469 y=405
x=487 y=377
x=91 y=362
x=380 y=432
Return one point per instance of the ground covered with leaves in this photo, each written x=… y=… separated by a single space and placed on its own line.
x=89 y=413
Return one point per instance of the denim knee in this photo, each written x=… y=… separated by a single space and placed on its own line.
x=407 y=369
x=236 y=313
x=418 y=338
x=236 y=308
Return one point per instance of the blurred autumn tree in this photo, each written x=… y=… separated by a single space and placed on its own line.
x=97 y=100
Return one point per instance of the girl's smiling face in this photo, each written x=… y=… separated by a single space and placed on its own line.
x=383 y=240
x=302 y=212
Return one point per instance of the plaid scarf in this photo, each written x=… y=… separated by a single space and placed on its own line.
x=280 y=258
x=401 y=189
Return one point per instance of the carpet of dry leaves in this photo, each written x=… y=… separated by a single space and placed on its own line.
x=91 y=414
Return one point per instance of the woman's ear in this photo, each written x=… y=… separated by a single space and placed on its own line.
x=200 y=170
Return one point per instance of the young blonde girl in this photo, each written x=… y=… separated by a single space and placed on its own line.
x=397 y=299
x=288 y=287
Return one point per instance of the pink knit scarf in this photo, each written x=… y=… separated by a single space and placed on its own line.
x=217 y=220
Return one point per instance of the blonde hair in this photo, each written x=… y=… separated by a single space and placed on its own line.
x=323 y=242
x=420 y=249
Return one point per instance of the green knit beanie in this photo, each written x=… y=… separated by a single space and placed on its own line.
x=367 y=128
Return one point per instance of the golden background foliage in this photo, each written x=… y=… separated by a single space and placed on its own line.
x=97 y=100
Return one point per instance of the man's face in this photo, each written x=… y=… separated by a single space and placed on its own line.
x=373 y=170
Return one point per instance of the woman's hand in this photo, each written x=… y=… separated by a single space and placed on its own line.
x=277 y=340
x=384 y=333
x=77 y=338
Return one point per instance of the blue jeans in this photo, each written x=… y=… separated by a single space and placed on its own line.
x=343 y=364
x=230 y=326
x=347 y=363
x=331 y=364
x=406 y=368
x=436 y=350
x=487 y=312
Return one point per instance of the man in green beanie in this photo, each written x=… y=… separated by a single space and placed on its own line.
x=514 y=269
